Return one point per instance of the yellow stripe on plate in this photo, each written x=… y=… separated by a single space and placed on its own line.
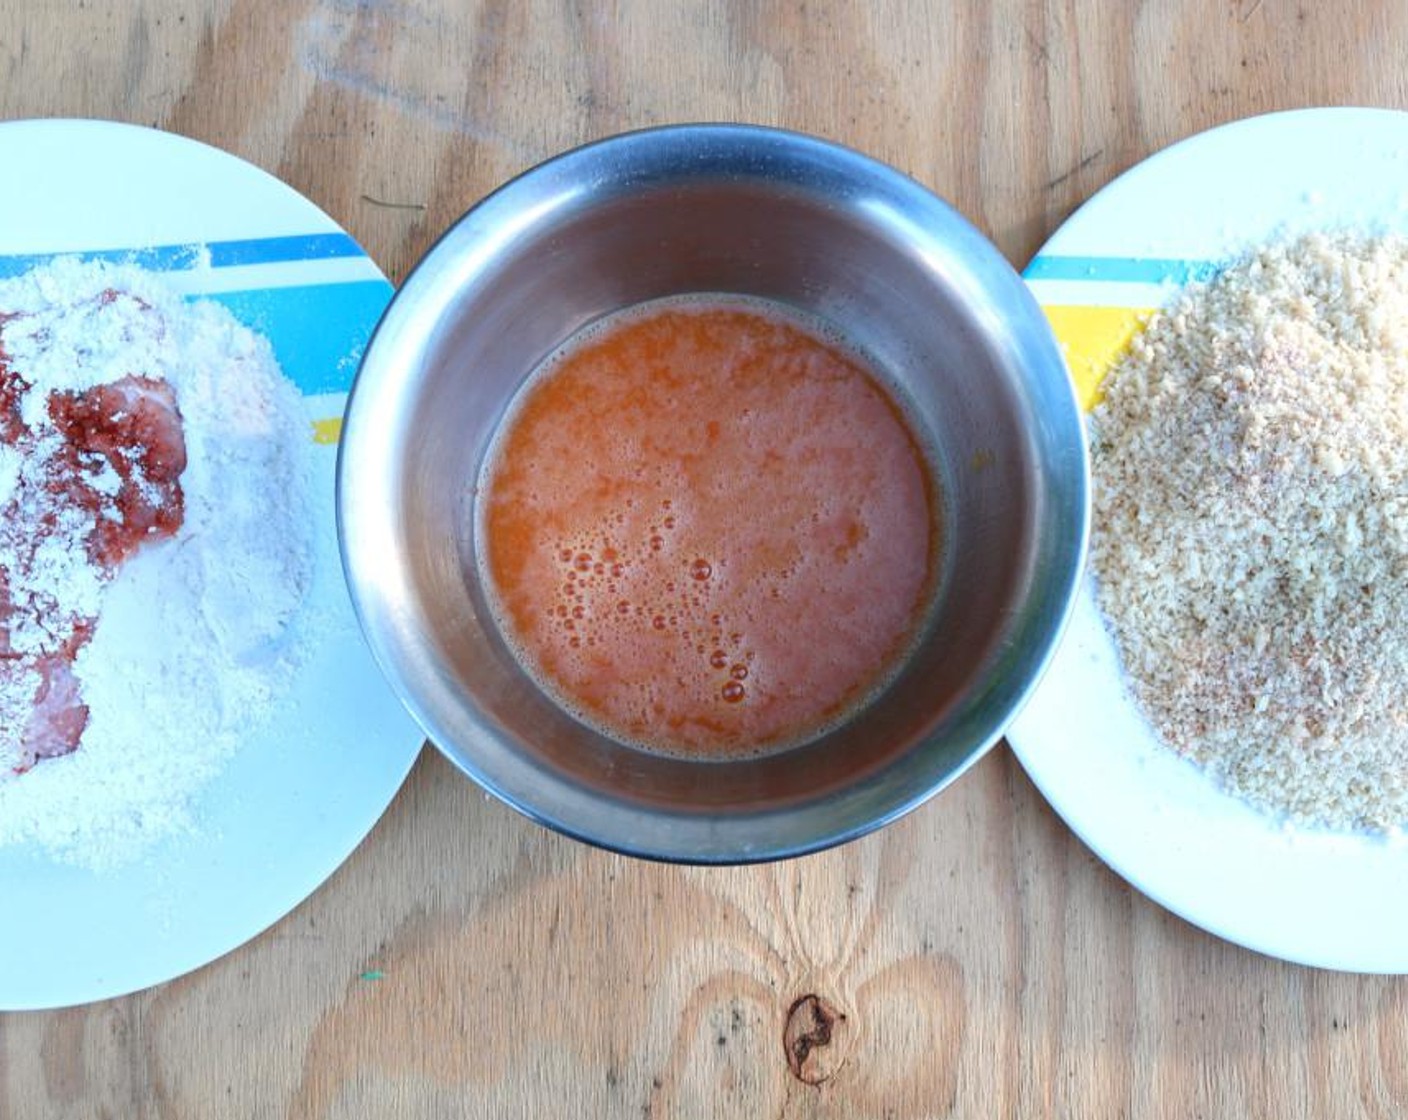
x=1092 y=339
x=327 y=431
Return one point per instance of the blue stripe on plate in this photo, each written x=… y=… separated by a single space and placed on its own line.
x=1127 y=270
x=268 y=250
x=307 y=326
x=223 y=254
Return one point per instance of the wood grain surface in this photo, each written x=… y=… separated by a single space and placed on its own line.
x=972 y=960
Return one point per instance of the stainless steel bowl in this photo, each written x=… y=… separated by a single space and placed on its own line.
x=737 y=209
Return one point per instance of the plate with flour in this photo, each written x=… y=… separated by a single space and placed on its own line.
x=1245 y=457
x=192 y=734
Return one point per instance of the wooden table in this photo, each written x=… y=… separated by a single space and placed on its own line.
x=973 y=960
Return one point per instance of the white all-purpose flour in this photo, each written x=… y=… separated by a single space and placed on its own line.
x=198 y=635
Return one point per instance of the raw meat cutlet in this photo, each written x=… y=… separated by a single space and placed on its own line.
x=101 y=478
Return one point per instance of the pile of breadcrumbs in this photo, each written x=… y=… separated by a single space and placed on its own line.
x=1250 y=464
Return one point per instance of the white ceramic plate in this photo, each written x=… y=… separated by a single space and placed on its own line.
x=1319 y=898
x=299 y=796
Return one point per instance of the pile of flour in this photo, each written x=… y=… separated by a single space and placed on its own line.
x=196 y=636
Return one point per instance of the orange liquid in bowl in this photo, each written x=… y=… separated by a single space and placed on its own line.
x=707 y=530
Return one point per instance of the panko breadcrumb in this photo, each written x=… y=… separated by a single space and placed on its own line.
x=1250 y=463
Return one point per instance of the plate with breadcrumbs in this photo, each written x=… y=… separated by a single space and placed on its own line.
x=192 y=734
x=1226 y=720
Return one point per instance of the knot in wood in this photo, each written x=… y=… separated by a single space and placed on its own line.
x=813 y=1027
